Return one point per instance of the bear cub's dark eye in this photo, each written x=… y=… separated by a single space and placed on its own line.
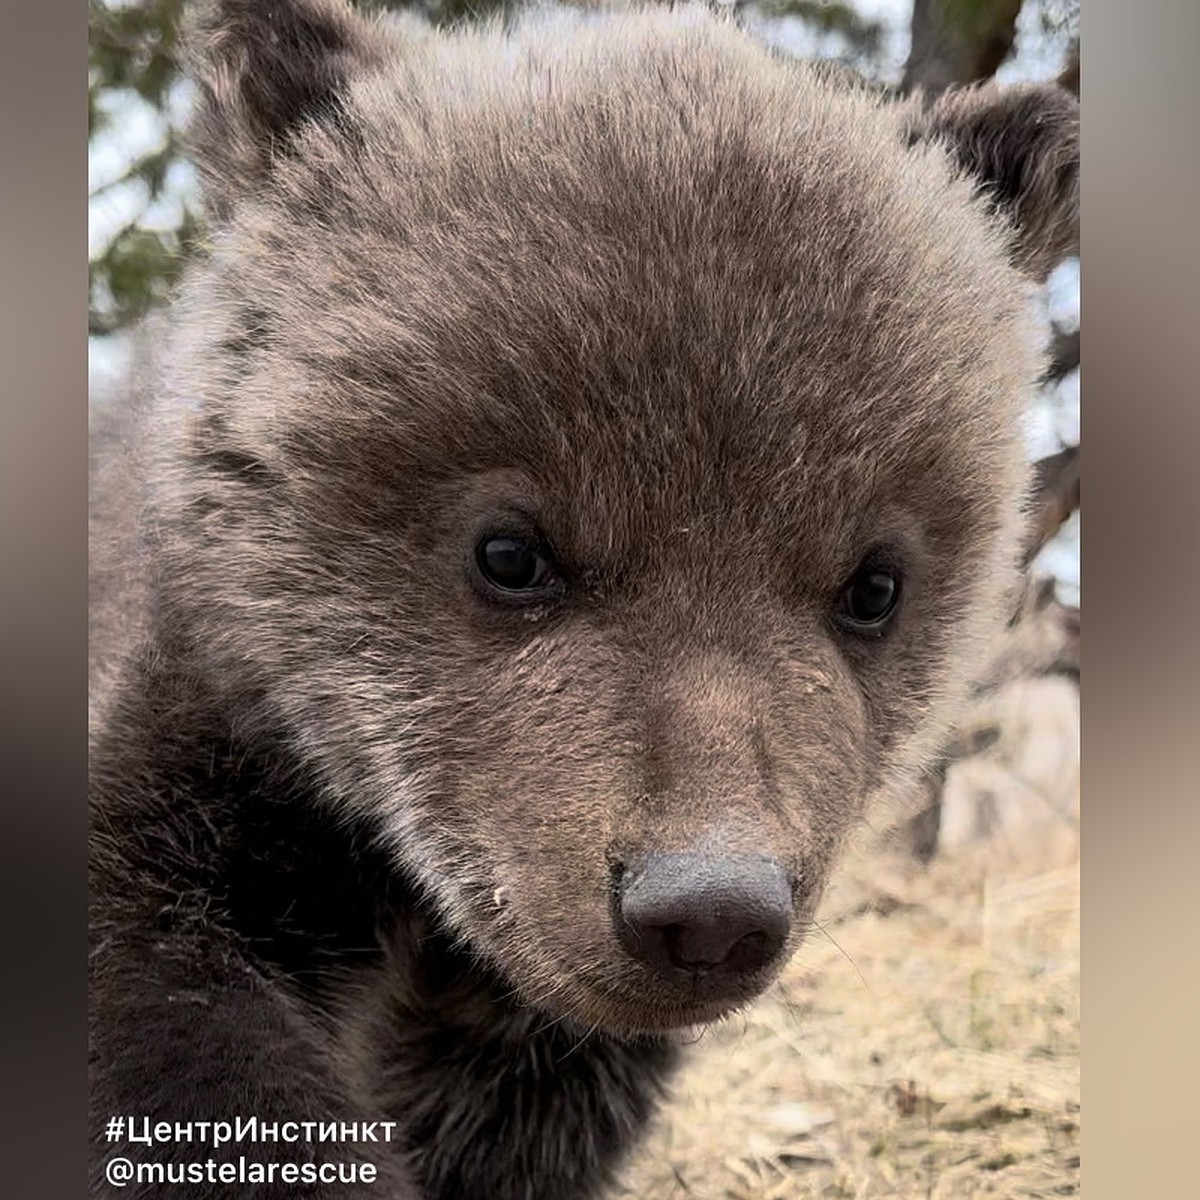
x=514 y=564
x=870 y=598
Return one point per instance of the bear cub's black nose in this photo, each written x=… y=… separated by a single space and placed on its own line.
x=694 y=912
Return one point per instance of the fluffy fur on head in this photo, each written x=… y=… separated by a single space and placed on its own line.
x=711 y=329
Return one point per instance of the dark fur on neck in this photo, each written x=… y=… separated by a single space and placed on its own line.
x=238 y=866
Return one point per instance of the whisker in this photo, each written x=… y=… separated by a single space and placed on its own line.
x=838 y=946
x=580 y=1042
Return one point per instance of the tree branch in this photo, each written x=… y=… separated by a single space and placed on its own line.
x=1055 y=498
x=1064 y=354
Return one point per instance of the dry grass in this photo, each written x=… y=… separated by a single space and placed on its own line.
x=927 y=1045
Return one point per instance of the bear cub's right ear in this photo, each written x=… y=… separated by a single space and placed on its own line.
x=264 y=68
x=1021 y=143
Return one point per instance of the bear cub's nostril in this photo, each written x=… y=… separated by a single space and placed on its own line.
x=694 y=912
x=696 y=947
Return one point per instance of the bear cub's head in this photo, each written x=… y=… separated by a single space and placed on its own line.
x=600 y=456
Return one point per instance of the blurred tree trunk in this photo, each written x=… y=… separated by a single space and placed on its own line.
x=1070 y=73
x=958 y=41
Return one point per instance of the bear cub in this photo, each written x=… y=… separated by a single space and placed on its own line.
x=581 y=469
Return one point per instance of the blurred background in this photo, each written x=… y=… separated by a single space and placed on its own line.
x=925 y=1041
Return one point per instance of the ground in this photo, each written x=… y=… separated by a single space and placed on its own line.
x=924 y=1043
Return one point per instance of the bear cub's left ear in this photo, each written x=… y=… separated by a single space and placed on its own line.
x=1022 y=144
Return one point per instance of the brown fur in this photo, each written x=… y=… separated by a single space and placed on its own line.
x=1023 y=144
x=712 y=325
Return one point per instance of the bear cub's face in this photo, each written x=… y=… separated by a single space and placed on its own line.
x=606 y=485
